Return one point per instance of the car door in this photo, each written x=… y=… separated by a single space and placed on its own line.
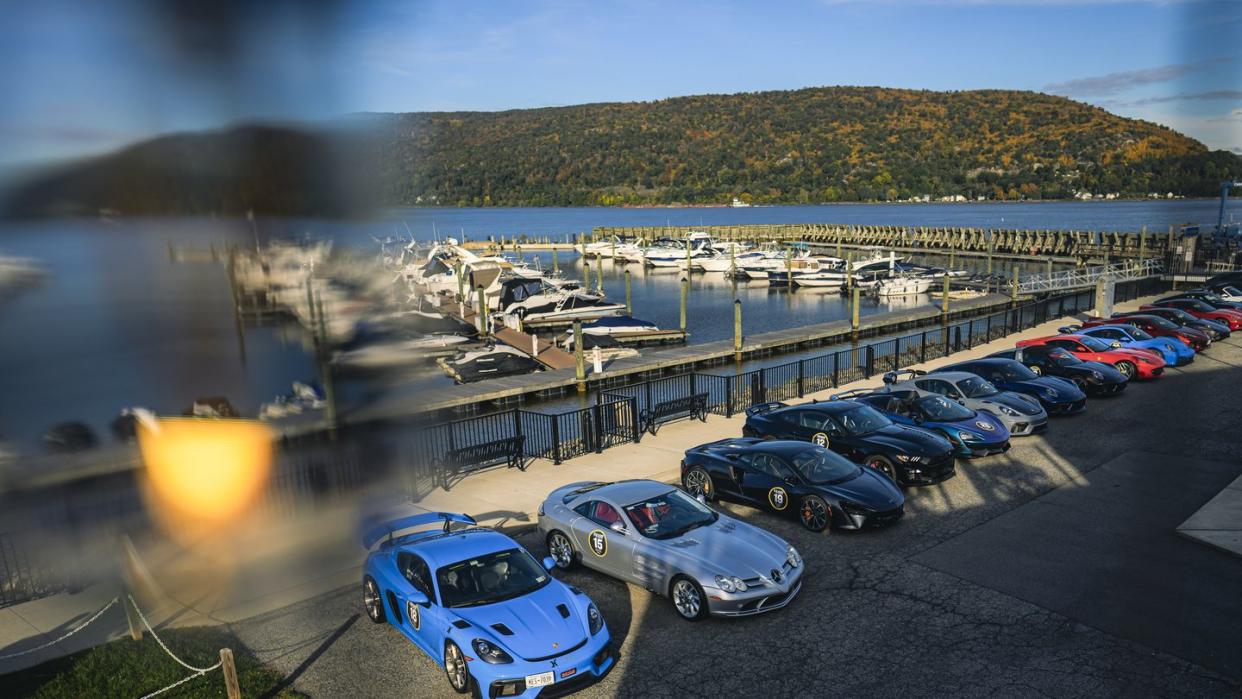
x=420 y=622
x=767 y=483
x=730 y=484
x=603 y=548
x=940 y=386
x=1038 y=359
x=815 y=427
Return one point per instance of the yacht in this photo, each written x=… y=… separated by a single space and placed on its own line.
x=903 y=284
x=724 y=262
x=535 y=299
x=604 y=248
x=675 y=254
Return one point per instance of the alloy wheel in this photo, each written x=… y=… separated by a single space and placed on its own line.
x=686 y=599
x=814 y=514
x=371 y=600
x=560 y=548
x=699 y=483
x=455 y=667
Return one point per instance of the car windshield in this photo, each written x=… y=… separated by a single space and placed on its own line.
x=1203 y=307
x=1064 y=358
x=821 y=466
x=976 y=387
x=669 y=515
x=1139 y=333
x=862 y=420
x=1096 y=344
x=1207 y=297
x=1162 y=323
x=940 y=409
x=494 y=577
x=1232 y=291
x=1015 y=371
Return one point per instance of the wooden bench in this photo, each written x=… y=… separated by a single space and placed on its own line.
x=509 y=451
x=692 y=406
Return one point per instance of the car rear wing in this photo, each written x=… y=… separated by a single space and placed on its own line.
x=853 y=393
x=891 y=377
x=1069 y=329
x=760 y=408
x=387 y=528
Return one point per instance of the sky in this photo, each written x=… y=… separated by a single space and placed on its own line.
x=82 y=77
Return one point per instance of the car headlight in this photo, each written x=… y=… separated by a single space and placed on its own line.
x=792 y=557
x=1051 y=393
x=967 y=436
x=730 y=583
x=594 y=619
x=1100 y=377
x=1006 y=410
x=490 y=652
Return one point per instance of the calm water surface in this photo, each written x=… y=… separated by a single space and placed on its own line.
x=115 y=323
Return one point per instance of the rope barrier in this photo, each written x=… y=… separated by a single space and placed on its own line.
x=49 y=644
x=198 y=671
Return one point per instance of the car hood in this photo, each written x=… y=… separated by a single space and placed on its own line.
x=974 y=425
x=1017 y=401
x=869 y=489
x=538 y=628
x=728 y=547
x=1160 y=344
x=1109 y=372
x=909 y=440
x=1066 y=391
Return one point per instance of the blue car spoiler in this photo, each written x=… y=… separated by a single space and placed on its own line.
x=760 y=408
x=378 y=531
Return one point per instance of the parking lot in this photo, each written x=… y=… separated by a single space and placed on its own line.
x=1053 y=569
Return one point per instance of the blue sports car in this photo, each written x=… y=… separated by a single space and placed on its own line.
x=481 y=606
x=1173 y=352
x=1058 y=396
x=971 y=432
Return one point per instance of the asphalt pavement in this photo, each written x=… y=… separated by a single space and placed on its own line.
x=1053 y=569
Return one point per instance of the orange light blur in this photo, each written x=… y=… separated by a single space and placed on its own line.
x=207 y=471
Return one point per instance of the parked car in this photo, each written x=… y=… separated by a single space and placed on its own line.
x=816 y=486
x=1230 y=290
x=1201 y=309
x=1058 y=396
x=1022 y=414
x=1173 y=351
x=1156 y=327
x=658 y=537
x=1210 y=297
x=972 y=433
x=860 y=433
x=1094 y=378
x=1214 y=330
x=482 y=607
x=1130 y=362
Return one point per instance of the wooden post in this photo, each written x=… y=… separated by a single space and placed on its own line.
x=1143 y=243
x=854 y=314
x=614 y=247
x=1049 y=266
x=1013 y=294
x=687 y=254
x=944 y=299
x=990 y=253
x=480 y=311
x=599 y=274
x=629 y=307
x=733 y=260
x=556 y=263
x=231 y=687
x=461 y=283
x=579 y=360
x=737 y=329
x=685 y=291
x=789 y=267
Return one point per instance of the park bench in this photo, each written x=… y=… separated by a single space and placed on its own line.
x=509 y=451
x=692 y=406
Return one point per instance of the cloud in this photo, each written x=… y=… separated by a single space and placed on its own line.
x=1235 y=115
x=1114 y=83
x=1209 y=95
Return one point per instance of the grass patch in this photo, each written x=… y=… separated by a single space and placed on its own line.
x=128 y=668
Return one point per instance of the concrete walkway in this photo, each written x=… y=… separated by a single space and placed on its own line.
x=1218 y=523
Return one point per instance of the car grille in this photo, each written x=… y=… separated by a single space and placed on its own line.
x=578 y=682
x=883 y=519
x=557 y=655
x=758 y=582
x=1157 y=371
x=767 y=602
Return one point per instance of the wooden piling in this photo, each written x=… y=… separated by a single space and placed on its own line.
x=854 y=313
x=480 y=311
x=1013 y=294
x=737 y=329
x=232 y=688
x=599 y=274
x=629 y=307
x=461 y=283
x=579 y=360
x=556 y=264
x=685 y=291
x=944 y=297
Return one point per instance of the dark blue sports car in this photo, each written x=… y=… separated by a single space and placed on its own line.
x=1058 y=396
x=972 y=433
x=860 y=433
x=818 y=487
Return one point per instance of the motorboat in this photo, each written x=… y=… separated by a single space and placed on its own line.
x=616 y=325
x=676 y=254
x=607 y=347
x=396 y=351
x=535 y=300
x=832 y=273
x=604 y=248
x=487 y=363
x=448 y=261
x=725 y=262
x=903 y=285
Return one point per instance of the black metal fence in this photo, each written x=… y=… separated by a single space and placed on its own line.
x=613 y=419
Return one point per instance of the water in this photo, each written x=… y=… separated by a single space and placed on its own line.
x=117 y=324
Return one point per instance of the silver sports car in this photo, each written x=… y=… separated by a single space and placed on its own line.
x=656 y=536
x=1021 y=414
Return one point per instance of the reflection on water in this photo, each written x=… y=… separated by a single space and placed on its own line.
x=115 y=323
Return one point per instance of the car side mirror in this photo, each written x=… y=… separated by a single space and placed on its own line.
x=549 y=563
x=917 y=418
x=417 y=597
x=702 y=500
x=618 y=528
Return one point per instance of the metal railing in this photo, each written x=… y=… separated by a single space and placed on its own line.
x=1087 y=276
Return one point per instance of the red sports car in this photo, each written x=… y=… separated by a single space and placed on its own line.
x=1132 y=363
x=1158 y=327
x=1200 y=309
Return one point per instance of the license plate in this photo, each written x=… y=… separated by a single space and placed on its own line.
x=540 y=680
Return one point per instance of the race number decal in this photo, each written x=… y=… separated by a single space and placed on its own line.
x=598 y=543
x=820 y=439
x=984 y=425
x=411 y=610
x=778 y=498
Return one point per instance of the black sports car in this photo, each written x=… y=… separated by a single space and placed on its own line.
x=1058 y=396
x=817 y=486
x=860 y=433
x=1096 y=378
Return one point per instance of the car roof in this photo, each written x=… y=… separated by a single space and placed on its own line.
x=952 y=376
x=783 y=447
x=829 y=406
x=626 y=492
x=444 y=549
x=983 y=361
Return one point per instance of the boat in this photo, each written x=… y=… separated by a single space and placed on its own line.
x=607 y=347
x=615 y=325
x=396 y=351
x=903 y=285
x=604 y=248
x=738 y=204
x=529 y=300
x=488 y=363
x=301 y=398
x=724 y=262
x=676 y=253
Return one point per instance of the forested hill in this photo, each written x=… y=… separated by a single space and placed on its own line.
x=801 y=146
